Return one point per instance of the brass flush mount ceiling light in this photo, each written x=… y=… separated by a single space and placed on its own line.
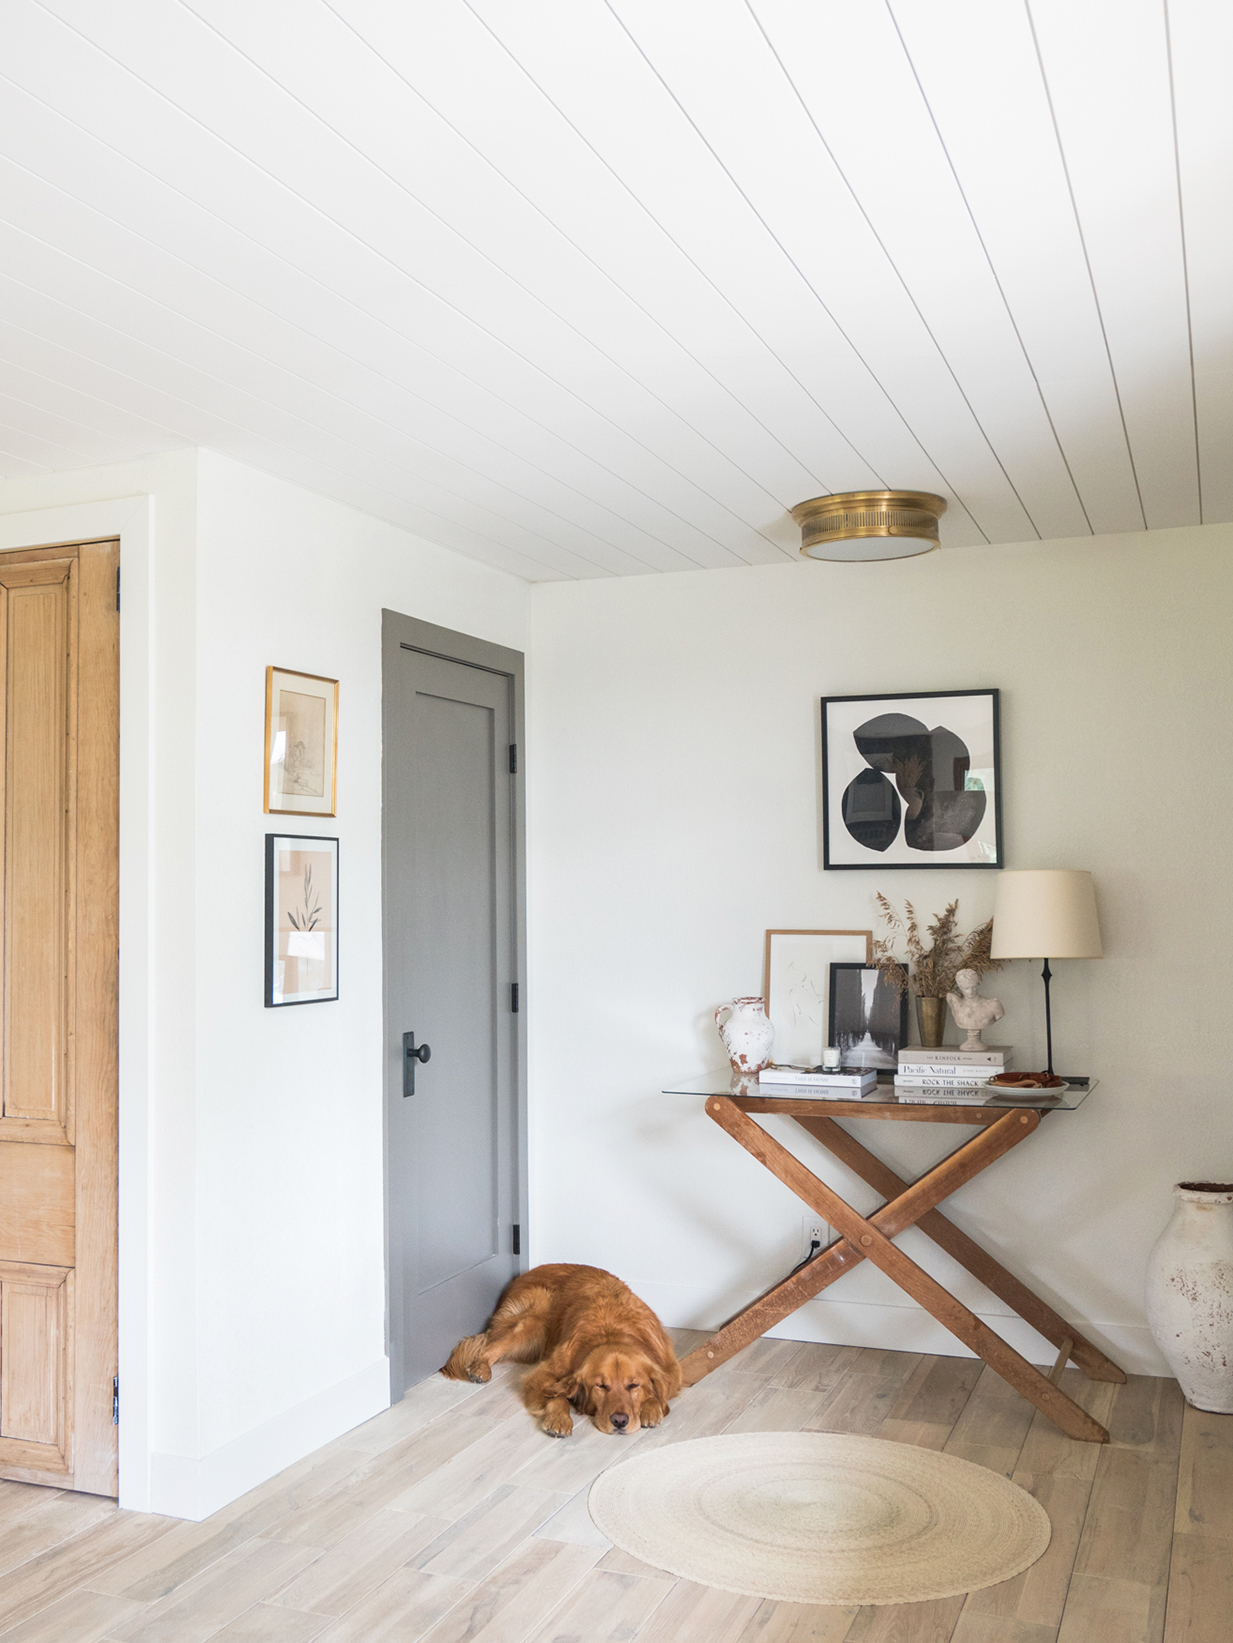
x=869 y=524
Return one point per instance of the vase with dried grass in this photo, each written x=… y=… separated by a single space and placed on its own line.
x=930 y=971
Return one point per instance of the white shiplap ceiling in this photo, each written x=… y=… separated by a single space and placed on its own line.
x=591 y=287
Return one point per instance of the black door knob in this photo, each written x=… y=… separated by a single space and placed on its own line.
x=411 y=1053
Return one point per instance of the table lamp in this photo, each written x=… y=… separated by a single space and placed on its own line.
x=1049 y=913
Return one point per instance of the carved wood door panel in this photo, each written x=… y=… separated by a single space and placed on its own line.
x=59 y=870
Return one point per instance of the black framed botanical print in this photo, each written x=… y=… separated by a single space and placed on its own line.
x=301 y=919
x=912 y=780
x=868 y=1019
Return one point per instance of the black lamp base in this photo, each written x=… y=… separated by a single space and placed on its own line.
x=1046 y=975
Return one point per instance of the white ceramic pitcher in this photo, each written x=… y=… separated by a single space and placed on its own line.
x=747 y=1035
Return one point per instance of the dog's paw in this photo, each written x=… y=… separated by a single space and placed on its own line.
x=557 y=1425
x=479 y=1374
x=650 y=1415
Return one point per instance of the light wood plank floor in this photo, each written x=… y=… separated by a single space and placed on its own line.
x=452 y=1520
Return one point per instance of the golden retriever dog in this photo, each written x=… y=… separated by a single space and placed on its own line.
x=597 y=1348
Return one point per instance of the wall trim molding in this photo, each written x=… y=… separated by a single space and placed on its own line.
x=907 y=1328
x=186 y=1488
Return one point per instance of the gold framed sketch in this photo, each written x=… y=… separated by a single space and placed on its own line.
x=301 y=743
x=796 y=982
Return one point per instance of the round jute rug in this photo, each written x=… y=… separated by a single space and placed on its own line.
x=820 y=1517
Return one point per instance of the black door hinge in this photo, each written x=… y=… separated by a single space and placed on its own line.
x=117 y=587
x=517 y=1239
x=115 y=1400
x=515 y=997
x=513 y=758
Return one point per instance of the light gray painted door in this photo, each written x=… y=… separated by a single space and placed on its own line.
x=449 y=865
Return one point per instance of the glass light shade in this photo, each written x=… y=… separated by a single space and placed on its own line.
x=869 y=547
x=1046 y=913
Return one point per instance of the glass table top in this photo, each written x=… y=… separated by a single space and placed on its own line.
x=719 y=1082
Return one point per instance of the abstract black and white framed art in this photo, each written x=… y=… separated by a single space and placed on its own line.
x=912 y=780
x=301 y=919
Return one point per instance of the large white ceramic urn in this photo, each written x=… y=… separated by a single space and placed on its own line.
x=748 y=1035
x=1190 y=1293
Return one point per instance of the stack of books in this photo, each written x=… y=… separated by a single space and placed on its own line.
x=949 y=1077
x=819 y=1083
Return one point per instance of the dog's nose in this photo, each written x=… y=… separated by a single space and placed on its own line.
x=620 y=1422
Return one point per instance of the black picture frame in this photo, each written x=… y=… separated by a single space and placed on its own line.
x=277 y=995
x=868 y=820
x=883 y=1020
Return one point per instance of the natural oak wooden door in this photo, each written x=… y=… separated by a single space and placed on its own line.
x=59 y=873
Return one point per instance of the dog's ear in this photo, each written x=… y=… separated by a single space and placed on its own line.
x=567 y=1386
x=568 y=1383
x=659 y=1384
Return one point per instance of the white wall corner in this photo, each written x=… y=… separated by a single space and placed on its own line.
x=186 y=1488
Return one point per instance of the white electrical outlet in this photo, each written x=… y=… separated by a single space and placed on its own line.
x=815 y=1232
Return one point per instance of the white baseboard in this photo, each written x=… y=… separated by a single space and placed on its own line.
x=906 y=1328
x=186 y=1488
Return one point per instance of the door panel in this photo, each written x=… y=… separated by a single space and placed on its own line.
x=38 y=1189
x=450 y=943
x=37 y=840
x=59 y=714
x=34 y=1319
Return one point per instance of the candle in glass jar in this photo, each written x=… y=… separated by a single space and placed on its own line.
x=830 y=1060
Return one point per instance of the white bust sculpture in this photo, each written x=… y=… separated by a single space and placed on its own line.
x=970 y=1010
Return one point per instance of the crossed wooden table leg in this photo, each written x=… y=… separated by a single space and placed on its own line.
x=870 y=1238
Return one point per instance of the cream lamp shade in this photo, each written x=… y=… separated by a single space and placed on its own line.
x=1046 y=913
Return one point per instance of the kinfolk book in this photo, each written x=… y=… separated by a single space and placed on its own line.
x=993 y=1055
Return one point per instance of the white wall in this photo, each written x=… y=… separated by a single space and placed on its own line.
x=674 y=818
x=290 y=1244
x=252 y=1255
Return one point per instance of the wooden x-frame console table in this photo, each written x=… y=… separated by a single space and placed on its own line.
x=871 y=1237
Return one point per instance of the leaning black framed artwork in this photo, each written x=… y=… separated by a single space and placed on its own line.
x=912 y=780
x=868 y=1019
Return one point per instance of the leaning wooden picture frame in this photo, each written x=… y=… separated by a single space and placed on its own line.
x=301 y=743
x=301 y=919
x=796 y=976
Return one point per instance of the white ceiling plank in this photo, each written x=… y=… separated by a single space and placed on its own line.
x=254 y=319
x=602 y=287
x=496 y=200
x=13 y=466
x=1106 y=66
x=62 y=394
x=1202 y=48
x=227 y=96
x=980 y=76
x=206 y=370
x=267 y=214
x=879 y=132
x=17 y=439
x=47 y=337
x=596 y=75
x=89 y=288
x=872 y=138
x=82 y=442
